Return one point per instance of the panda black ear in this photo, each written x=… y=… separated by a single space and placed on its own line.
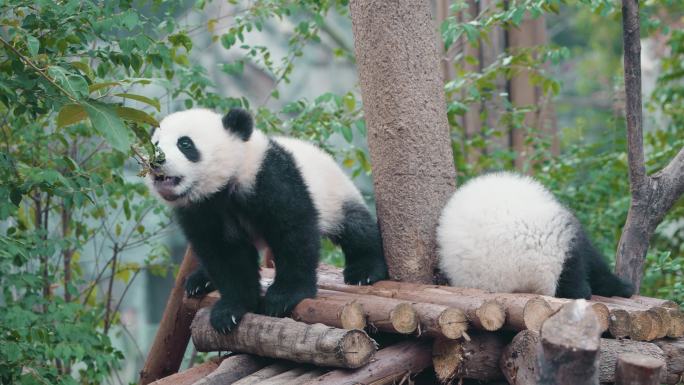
x=239 y=121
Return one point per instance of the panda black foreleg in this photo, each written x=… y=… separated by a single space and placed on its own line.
x=360 y=241
x=574 y=279
x=233 y=267
x=295 y=253
x=198 y=284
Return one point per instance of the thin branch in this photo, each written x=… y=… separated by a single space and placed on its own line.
x=41 y=72
x=632 y=63
x=107 y=321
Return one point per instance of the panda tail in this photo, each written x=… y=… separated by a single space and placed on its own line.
x=601 y=279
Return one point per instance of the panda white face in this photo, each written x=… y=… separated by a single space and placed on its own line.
x=200 y=156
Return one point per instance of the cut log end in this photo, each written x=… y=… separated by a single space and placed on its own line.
x=353 y=317
x=677 y=324
x=536 y=311
x=356 y=348
x=574 y=326
x=638 y=369
x=642 y=327
x=452 y=323
x=662 y=319
x=602 y=315
x=620 y=323
x=404 y=318
x=490 y=315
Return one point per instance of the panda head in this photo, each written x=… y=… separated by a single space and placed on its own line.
x=202 y=152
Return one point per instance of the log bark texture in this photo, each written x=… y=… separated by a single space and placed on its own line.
x=518 y=359
x=265 y=373
x=173 y=335
x=287 y=339
x=652 y=196
x=638 y=369
x=477 y=358
x=232 y=369
x=570 y=346
x=409 y=141
x=408 y=357
x=191 y=375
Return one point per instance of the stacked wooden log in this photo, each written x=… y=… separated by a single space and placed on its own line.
x=462 y=333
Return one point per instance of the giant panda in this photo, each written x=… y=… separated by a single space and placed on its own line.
x=232 y=187
x=505 y=232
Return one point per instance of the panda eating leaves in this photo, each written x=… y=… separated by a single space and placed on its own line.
x=233 y=187
x=505 y=232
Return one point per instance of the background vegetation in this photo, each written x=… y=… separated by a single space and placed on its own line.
x=83 y=82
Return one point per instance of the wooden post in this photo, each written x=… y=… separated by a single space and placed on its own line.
x=408 y=132
x=570 y=347
x=173 y=335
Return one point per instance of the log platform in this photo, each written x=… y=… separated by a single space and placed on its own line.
x=456 y=333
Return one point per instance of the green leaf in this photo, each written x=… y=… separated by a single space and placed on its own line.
x=106 y=121
x=98 y=86
x=75 y=85
x=349 y=101
x=227 y=40
x=136 y=115
x=142 y=99
x=347 y=133
x=70 y=114
x=33 y=45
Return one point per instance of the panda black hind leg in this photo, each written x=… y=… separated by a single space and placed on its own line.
x=360 y=241
x=295 y=254
x=574 y=279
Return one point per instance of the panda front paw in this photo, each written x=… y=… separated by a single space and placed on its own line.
x=225 y=316
x=281 y=299
x=198 y=284
x=364 y=273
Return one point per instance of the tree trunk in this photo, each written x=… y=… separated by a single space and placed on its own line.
x=287 y=339
x=408 y=133
x=173 y=335
x=652 y=196
x=408 y=357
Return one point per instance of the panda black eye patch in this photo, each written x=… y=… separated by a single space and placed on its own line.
x=187 y=147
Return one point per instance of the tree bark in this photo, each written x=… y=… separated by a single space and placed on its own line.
x=408 y=357
x=265 y=373
x=570 y=346
x=519 y=367
x=477 y=358
x=408 y=133
x=652 y=196
x=232 y=369
x=287 y=339
x=191 y=375
x=171 y=340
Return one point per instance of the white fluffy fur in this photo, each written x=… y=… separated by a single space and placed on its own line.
x=224 y=156
x=328 y=185
x=504 y=232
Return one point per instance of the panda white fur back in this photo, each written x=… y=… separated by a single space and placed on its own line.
x=505 y=232
x=231 y=185
x=329 y=185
